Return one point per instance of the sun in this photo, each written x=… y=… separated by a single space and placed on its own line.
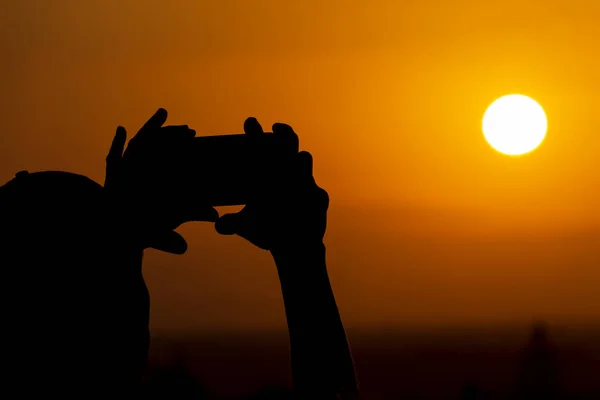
x=515 y=124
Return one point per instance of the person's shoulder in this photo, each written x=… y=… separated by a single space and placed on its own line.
x=48 y=184
x=48 y=194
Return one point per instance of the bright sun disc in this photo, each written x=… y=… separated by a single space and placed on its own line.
x=515 y=124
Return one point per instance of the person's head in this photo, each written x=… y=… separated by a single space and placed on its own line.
x=72 y=299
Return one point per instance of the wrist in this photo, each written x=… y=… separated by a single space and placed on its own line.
x=296 y=251
x=301 y=264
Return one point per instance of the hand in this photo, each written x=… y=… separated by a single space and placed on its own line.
x=287 y=214
x=142 y=175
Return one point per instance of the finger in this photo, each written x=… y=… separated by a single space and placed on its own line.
x=169 y=242
x=252 y=127
x=305 y=166
x=157 y=120
x=283 y=129
x=287 y=133
x=115 y=154
x=245 y=225
x=154 y=123
x=228 y=224
x=118 y=145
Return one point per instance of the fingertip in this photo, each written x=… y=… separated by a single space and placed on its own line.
x=120 y=136
x=171 y=242
x=221 y=228
x=252 y=126
x=226 y=225
x=287 y=134
x=212 y=215
x=118 y=145
x=305 y=157
x=280 y=128
x=180 y=248
x=159 y=117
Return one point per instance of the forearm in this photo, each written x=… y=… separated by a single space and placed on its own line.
x=321 y=361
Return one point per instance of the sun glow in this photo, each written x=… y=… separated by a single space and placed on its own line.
x=515 y=124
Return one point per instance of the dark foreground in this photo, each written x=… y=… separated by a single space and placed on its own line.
x=465 y=363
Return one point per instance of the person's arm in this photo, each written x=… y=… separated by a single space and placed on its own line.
x=288 y=217
x=140 y=213
x=321 y=361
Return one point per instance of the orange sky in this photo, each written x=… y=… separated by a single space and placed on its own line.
x=428 y=224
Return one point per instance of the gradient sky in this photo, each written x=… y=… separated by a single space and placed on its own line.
x=428 y=224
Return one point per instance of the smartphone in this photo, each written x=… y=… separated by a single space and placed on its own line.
x=229 y=169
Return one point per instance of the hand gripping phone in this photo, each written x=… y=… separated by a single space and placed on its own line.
x=227 y=170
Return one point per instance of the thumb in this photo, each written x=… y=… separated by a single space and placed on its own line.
x=229 y=224
x=243 y=224
x=194 y=214
x=169 y=242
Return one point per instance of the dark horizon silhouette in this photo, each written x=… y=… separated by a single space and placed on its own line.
x=454 y=363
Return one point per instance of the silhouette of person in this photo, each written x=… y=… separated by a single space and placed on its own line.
x=74 y=302
x=289 y=218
